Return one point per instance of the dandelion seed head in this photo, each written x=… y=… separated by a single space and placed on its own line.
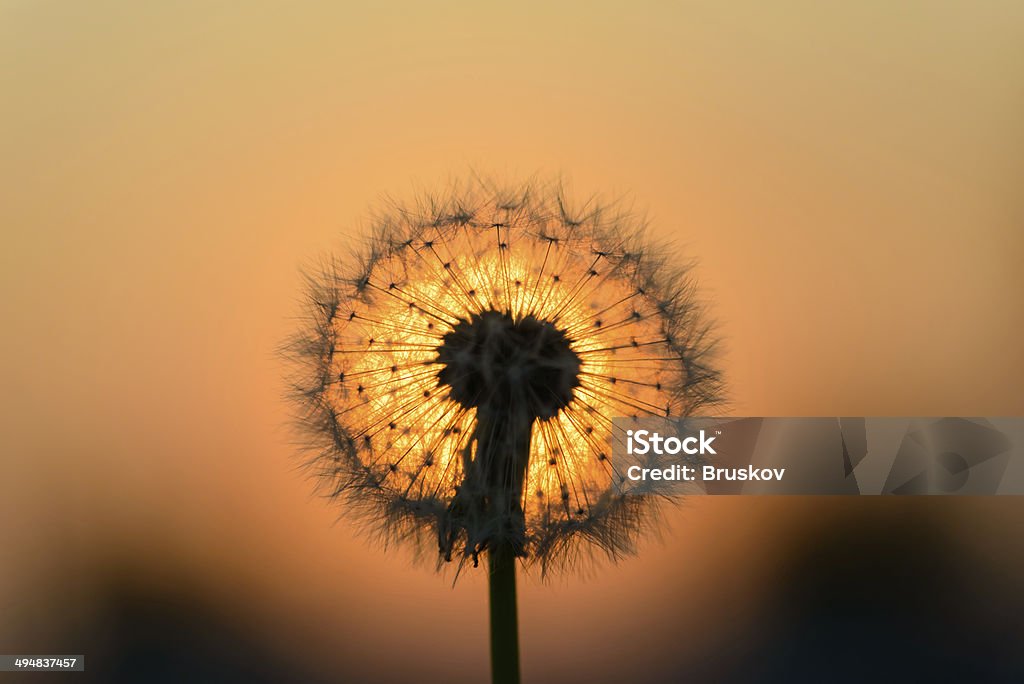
x=457 y=377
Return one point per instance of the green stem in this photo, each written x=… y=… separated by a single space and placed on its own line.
x=504 y=620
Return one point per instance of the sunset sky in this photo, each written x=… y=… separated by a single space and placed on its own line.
x=848 y=178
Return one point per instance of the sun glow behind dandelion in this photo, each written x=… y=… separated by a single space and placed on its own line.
x=482 y=309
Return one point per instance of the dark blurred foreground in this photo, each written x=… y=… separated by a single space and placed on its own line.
x=872 y=590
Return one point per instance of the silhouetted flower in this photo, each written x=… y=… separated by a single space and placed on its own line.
x=458 y=376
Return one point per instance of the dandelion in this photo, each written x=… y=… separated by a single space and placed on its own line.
x=458 y=378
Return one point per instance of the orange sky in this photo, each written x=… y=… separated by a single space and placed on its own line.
x=849 y=178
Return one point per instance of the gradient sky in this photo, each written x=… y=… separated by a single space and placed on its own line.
x=848 y=177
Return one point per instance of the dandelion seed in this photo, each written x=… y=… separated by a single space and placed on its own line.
x=489 y=336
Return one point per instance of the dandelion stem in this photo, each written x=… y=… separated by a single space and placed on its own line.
x=504 y=619
x=503 y=453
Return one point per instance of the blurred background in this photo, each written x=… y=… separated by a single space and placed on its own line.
x=848 y=175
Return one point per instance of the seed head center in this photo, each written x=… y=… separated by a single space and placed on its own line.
x=496 y=361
